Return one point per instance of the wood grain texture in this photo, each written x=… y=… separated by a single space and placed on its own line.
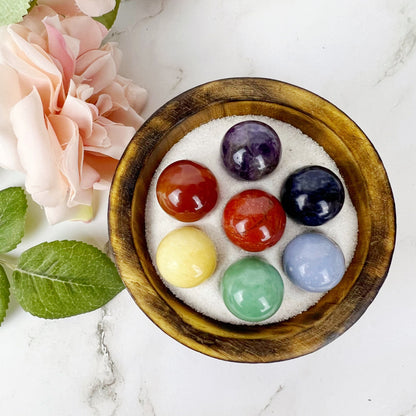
x=367 y=184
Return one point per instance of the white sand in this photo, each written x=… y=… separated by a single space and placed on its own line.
x=202 y=145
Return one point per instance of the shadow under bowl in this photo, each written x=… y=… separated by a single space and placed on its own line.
x=360 y=167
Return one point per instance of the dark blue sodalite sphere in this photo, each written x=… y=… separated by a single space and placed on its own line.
x=312 y=195
x=250 y=150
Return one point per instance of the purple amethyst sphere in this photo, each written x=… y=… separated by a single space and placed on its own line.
x=250 y=150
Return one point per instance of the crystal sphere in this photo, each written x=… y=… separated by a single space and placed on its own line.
x=250 y=150
x=186 y=257
x=313 y=262
x=187 y=190
x=252 y=289
x=312 y=195
x=254 y=220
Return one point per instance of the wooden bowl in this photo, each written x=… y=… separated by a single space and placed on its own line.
x=367 y=185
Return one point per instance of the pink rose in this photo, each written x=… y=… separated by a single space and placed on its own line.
x=66 y=116
x=73 y=7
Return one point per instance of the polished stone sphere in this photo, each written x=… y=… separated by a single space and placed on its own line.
x=187 y=190
x=313 y=262
x=312 y=195
x=186 y=257
x=250 y=150
x=254 y=220
x=252 y=289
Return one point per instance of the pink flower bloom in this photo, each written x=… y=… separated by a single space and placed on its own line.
x=74 y=7
x=96 y=7
x=66 y=115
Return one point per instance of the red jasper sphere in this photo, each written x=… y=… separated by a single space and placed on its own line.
x=187 y=190
x=254 y=220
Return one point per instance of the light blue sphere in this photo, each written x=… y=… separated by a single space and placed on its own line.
x=313 y=262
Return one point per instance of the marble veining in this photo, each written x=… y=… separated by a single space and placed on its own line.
x=145 y=402
x=409 y=412
x=269 y=405
x=404 y=48
x=159 y=10
x=178 y=80
x=402 y=53
x=103 y=393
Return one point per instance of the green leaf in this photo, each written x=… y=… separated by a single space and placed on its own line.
x=109 y=18
x=32 y=4
x=12 y=11
x=64 y=278
x=4 y=294
x=13 y=207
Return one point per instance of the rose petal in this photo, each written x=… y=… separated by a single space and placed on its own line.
x=35 y=68
x=33 y=54
x=33 y=20
x=58 y=49
x=30 y=77
x=9 y=86
x=117 y=94
x=105 y=166
x=136 y=95
x=58 y=39
x=72 y=165
x=128 y=118
x=37 y=152
x=98 y=138
x=83 y=92
x=66 y=132
x=119 y=136
x=90 y=33
x=104 y=103
x=115 y=52
x=97 y=68
x=96 y=8
x=65 y=8
x=62 y=212
x=79 y=112
x=89 y=177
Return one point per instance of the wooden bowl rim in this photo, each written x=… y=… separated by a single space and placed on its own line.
x=120 y=228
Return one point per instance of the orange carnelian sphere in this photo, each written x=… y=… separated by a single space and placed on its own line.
x=187 y=190
x=254 y=220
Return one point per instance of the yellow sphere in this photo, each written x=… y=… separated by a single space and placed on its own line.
x=186 y=257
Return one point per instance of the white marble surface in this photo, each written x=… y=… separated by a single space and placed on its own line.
x=358 y=54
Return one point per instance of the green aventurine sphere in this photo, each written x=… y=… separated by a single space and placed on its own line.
x=252 y=289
